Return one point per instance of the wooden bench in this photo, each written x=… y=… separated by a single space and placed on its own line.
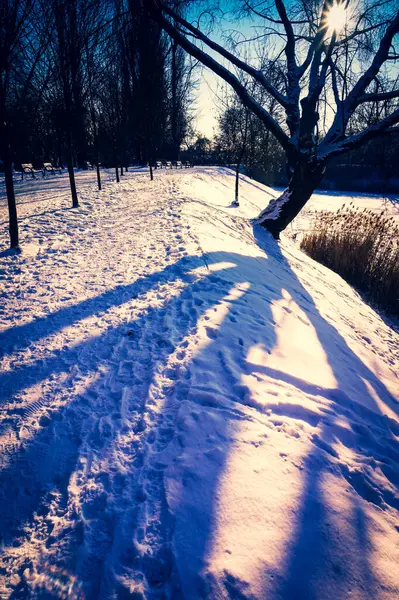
x=27 y=169
x=48 y=168
x=168 y=164
x=158 y=164
x=89 y=165
x=187 y=164
x=178 y=164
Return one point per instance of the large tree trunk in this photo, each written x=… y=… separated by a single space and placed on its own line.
x=306 y=177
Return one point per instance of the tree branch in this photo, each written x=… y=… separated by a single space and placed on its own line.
x=159 y=7
x=276 y=21
x=384 y=127
x=348 y=106
x=225 y=74
x=377 y=97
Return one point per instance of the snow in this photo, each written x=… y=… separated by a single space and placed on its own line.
x=273 y=209
x=333 y=201
x=190 y=409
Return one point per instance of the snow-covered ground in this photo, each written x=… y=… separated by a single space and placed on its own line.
x=333 y=201
x=188 y=408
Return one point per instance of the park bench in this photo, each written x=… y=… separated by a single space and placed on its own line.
x=48 y=168
x=168 y=164
x=89 y=165
x=187 y=164
x=27 y=169
x=158 y=164
x=178 y=164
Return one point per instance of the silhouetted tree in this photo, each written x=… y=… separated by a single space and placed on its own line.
x=319 y=70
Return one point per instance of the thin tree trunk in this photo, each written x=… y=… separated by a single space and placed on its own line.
x=12 y=205
x=5 y=154
x=93 y=118
x=236 y=201
x=237 y=183
x=280 y=212
x=117 y=174
x=151 y=173
x=174 y=102
x=121 y=170
x=7 y=161
x=98 y=167
x=240 y=157
x=71 y=173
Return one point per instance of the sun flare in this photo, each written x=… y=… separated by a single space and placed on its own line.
x=337 y=17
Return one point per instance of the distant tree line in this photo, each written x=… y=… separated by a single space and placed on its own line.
x=87 y=68
x=373 y=167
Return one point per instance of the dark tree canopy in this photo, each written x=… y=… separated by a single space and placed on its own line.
x=88 y=81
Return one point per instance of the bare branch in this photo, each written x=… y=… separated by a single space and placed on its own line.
x=278 y=22
x=225 y=74
x=378 y=97
x=348 y=106
x=384 y=127
x=255 y=73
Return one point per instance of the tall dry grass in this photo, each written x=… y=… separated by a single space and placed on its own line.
x=362 y=247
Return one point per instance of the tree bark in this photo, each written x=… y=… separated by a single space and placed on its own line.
x=97 y=161
x=98 y=175
x=5 y=154
x=71 y=173
x=306 y=177
x=12 y=206
x=241 y=156
x=117 y=174
x=236 y=201
x=237 y=182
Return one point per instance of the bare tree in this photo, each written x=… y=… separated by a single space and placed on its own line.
x=14 y=15
x=234 y=125
x=330 y=56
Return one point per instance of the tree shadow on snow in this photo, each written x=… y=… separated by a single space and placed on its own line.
x=111 y=433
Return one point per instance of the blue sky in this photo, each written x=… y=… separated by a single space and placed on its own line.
x=206 y=107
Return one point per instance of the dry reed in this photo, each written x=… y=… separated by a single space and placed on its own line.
x=362 y=247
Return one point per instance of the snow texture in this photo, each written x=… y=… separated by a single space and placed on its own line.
x=189 y=409
x=273 y=209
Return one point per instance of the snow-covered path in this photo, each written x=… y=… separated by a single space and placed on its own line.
x=189 y=409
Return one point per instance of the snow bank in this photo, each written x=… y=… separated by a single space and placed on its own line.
x=190 y=409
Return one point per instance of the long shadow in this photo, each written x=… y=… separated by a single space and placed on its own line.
x=21 y=336
x=47 y=462
x=318 y=559
x=41 y=214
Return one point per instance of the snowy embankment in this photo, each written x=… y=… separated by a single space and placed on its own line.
x=189 y=409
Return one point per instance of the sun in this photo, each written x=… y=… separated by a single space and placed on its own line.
x=337 y=17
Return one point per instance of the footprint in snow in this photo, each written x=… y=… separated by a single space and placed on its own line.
x=211 y=332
